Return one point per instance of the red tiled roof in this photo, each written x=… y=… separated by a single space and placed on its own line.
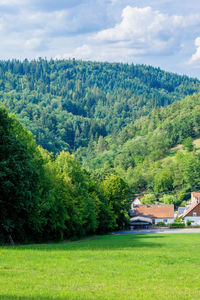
x=195 y=194
x=156 y=211
x=190 y=207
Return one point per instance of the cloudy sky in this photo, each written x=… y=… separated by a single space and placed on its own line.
x=164 y=33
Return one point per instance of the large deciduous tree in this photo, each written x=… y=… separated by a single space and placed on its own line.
x=116 y=190
x=19 y=173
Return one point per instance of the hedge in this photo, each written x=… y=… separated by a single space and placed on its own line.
x=177 y=225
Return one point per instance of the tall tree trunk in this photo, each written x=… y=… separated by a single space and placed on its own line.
x=10 y=239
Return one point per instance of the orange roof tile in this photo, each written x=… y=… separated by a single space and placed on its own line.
x=156 y=211
x=195 y=194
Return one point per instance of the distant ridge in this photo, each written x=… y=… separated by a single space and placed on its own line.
x=69 y=103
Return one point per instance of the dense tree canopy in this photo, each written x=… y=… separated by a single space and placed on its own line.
x=42 y=198
x=67 y=103
x=143 y=152
x=116 y=190
x=113 y=118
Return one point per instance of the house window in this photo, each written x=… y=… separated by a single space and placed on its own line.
x=194 y=214
x=165 y=220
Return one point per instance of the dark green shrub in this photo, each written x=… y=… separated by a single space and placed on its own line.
x=161 y=224
x=188 y=222
x=177 y=225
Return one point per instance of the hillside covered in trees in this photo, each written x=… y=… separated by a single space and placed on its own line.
x=102 y=131
x=144 y=152
x=42 y=198
x=67 y=103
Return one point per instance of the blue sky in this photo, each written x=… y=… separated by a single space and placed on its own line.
x=161 y=33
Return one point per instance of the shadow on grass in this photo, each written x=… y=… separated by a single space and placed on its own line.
x=106 y=242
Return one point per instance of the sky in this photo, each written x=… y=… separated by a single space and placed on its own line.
x=161 y=33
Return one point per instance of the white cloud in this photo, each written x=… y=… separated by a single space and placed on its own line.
x=145 y=28
x=96 y=53
x=12 y=2
x=136 y=22
x=104 y=30
x=83 y=52
x=34 y=44
x=141 y=31
x=195 y=59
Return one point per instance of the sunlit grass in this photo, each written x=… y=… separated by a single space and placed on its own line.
x=107 y=267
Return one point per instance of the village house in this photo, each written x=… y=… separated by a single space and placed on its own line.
x=136 y=202
x=180 y=212
x=144 y=215
x=192 y=211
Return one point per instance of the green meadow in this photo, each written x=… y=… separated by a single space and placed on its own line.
x=157 y=266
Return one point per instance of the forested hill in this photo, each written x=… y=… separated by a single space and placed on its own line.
x=42 y=198
x=158 y=154
x=68 y=104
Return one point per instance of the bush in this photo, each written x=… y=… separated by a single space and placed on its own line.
x=188 y=222
x=161 y=224
x=178 y=220
x=177 y=225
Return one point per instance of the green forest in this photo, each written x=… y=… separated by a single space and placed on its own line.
x=46 y=198
x=79 y=139
x=68 y=103
x=144 y=153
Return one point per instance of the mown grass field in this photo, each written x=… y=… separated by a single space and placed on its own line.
x=157 y=266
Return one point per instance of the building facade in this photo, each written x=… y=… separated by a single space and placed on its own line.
x=192 y=212
x=145 y=215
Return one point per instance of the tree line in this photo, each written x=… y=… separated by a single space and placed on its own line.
x=67 y=104
x=43 y=197
x=145 y=153
x=114 y=119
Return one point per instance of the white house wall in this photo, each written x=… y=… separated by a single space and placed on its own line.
x=194 y=220
x=166 y=221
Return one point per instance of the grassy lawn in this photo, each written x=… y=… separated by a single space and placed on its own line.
x=157 y=266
